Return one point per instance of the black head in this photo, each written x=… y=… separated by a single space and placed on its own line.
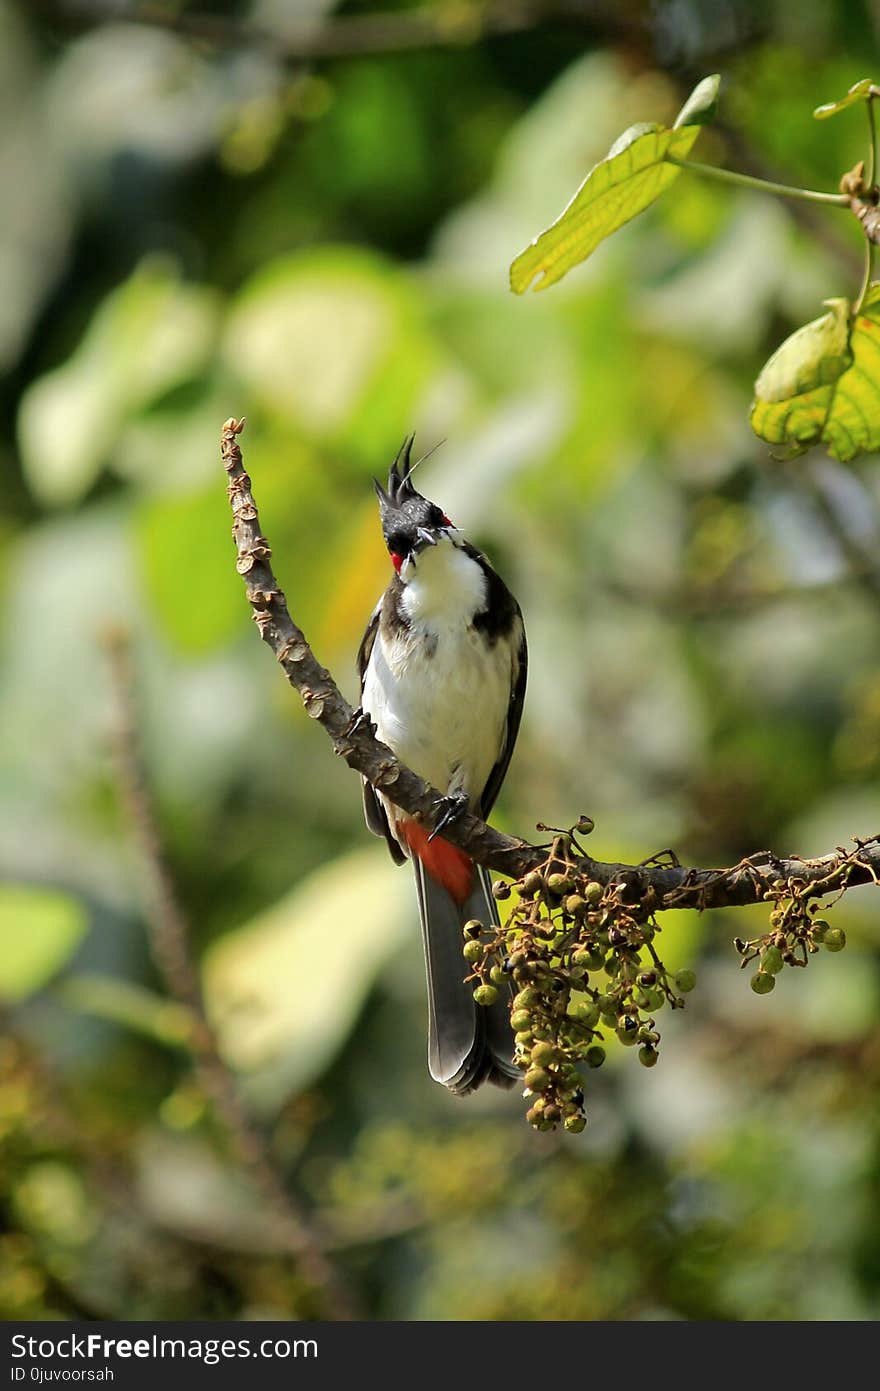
x=409 y=521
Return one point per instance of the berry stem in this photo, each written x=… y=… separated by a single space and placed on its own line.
x=730 y=176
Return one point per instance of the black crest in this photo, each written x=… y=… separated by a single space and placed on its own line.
x=400 y=488
x=402 y=508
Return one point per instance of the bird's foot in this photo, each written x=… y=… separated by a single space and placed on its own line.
x=451 y=807
x=360 y=720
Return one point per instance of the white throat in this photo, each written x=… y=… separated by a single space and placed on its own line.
x=443 y=587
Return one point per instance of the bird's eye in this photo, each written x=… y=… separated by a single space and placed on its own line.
x=398 y=543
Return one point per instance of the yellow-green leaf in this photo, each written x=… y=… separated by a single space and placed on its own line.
x=39 y=930
x=859 y=91
x=634 y=173
x=150 y=335
x=636 y=170
x=700 y=106
x=284 y=990
x=823 y=384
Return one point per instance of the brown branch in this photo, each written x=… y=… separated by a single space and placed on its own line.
x=169 y=939
x=755 y=878
x=341 y=36
x=869 y=216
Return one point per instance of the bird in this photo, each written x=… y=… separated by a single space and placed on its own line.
x=442 y=669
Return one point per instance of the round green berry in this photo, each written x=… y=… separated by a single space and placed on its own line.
x=524 y=998
x=818 y=929
x=593 y=893
x=835 y=939
x=532 y=884
x=498 y=976
x=584 y=1012
x=595 y=1055
x=648 y=1056
x=575 y=1124
x=520 y=1019
x=771 y=961
x=762 y=982
x=685 y=981
x=543 y=1053
x=485 y=995
x=574 y=905
x=537 y=1079
x=559 y=884
x=472 y=952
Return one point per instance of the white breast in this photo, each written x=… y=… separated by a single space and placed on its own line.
x=438 y=692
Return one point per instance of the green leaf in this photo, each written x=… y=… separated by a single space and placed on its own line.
x=701 y=105
x=145 y=338
x=284 y=990
x=636 y=170
x=823 y=384
x=634 y=173
x=39 y=930
x=333 y=341
x=169 y=531
x=859 y=91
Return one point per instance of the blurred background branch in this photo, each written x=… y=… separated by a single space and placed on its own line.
x=334 y=36
x=169 y=934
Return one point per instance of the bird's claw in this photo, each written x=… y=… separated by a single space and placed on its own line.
x=451 y=807
x=360 y=720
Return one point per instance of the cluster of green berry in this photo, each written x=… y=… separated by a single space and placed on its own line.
x=578 y=957
x=795 y=935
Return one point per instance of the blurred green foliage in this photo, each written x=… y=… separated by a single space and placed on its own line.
x=205 y=231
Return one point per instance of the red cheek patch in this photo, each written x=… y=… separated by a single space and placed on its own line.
x=396 y=561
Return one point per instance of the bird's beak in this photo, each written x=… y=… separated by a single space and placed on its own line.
x=425 y=537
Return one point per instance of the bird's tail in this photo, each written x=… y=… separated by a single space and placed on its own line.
x=467 y=1043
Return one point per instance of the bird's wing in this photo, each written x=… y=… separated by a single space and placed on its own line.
x=366 y=647
x=519 y=671
x=374 y=812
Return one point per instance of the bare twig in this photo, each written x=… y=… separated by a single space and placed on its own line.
x=750 y=881
x=169 y=939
